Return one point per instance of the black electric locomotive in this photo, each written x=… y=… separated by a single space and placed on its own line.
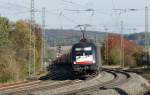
x=85 y=57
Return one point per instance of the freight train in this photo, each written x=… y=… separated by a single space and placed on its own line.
x=84 y=58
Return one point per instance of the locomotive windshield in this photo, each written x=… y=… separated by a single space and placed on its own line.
x=84 y=55
x=80 y=53
x=83 y=51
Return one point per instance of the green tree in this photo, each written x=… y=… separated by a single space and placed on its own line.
x=5 y=51
x=14 y=49
x=115 y=55
x=4 y=32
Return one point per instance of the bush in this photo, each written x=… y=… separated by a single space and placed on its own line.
x=115 y=55
x=15 y=47
x=138 y=58
x=129 y=61
x=132 y=51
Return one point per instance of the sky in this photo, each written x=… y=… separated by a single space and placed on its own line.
x=63 y=14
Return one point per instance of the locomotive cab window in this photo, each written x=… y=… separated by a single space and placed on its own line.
x=88 y=52
x=84 y=55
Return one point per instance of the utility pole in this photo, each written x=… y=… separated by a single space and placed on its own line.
x=122 y=46
x=95 y=38
x=30 y=54
x=122 y=35
x=43 y=39
x=146 y=35
x=33 y=32
x=106 y=46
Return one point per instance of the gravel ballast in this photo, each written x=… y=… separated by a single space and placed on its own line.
x=136 y=85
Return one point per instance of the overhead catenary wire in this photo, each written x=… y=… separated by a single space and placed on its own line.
x=113 y=4
x=97 y=11
x=61 y=15
x=60 y=19
x=88 y=10
x=74 y=4
x=13 y=5
x=93 y=12
x=57 y=13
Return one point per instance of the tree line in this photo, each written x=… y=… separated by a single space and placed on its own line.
x=15 y=47
x=112 y=52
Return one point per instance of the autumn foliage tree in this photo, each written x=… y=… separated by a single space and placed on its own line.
x=14 y=49
x=131 y=50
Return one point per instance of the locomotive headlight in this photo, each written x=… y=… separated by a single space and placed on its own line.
x=74 y=62
x=88 y=48
x=93 y=61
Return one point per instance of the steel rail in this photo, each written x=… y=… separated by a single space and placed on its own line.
x=114 y=82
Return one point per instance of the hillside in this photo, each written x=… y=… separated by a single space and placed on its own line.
x=69 y=37
x=139 y=38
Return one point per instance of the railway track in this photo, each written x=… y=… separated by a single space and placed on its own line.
x=19 y=84
x=27 y=88
x=119 y=77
